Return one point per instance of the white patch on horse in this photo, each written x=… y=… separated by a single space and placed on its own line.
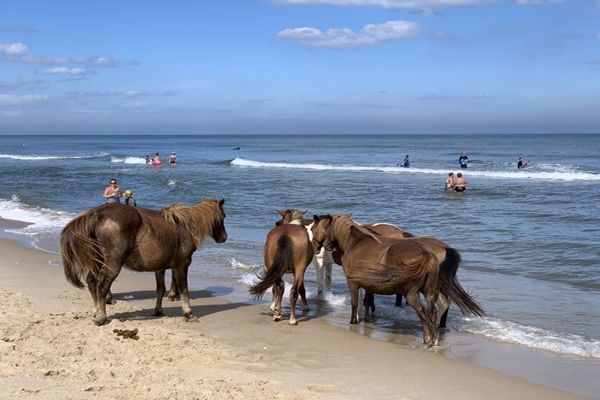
x=309 y=231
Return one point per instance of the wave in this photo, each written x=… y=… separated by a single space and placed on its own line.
x=537 y=338
x=128 y=160
x=556 y=175
x=33 y=157
x=40 y=219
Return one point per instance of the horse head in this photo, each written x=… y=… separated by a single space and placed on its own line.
x=320 y=228
x=290 y=216
x=218 y=232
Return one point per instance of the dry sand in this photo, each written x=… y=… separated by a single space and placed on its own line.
x=50 y=349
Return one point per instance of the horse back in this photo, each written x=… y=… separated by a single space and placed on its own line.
x=296 y=236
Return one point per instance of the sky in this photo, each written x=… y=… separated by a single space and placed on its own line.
x=299 y=66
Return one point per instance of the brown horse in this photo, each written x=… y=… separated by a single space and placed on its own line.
x=388 y=266
x=99 y=242
x=288 y=249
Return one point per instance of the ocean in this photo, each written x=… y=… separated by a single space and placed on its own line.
x=530 y=238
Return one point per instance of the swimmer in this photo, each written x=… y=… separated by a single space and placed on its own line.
x=156 y=161
x=129 y=200
x=522 y=163
x=463 y=160
x=449 y=181
x=460 y=183
x=112 y=193
x=173 y=159
x=406 y=163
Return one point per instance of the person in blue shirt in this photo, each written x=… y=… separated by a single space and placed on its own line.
x=463 y=160
x=406 y=163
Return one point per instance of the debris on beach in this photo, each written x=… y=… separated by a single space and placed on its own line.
x=127 y=333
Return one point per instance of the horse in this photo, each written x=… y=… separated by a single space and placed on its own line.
x=288 y=249
x=97 y=243
x=388 y=266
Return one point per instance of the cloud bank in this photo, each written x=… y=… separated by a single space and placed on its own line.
x=346 y=38
x=390 y=4
x=12 y=49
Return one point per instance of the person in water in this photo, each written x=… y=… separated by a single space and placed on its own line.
x=129 y=200
x=522 y=163
x=112 y=193
x=450 y=181
x=156 y=161
x=460 y=183
x=173 y=159
x=148 y=160
x=406 y=163
x=463 y=160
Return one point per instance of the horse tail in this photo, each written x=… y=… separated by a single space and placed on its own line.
x=80 y=248
x=283 y=262
x=450 y=287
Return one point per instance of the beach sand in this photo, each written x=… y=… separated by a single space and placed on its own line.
x=50 y=349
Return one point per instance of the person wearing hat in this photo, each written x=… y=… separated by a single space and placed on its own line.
x=129 y=200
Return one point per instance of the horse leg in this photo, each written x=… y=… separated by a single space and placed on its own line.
x=160 y=292
x=368 y=303
x=91 y=284
x=302 y=291
x=181 y=272
x=398 y=300
x=412 y=299
x=354 y=300
x=320 y=268
x=431 y=298
x=109 y=298
x=328 y=266
x=104 y=279
x=278 y=289
x=173 y=291
x=443 y=305
x=293 y=298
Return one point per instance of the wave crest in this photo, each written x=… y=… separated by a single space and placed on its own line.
x=34 y=157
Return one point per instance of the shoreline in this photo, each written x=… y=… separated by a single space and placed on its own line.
x=311 y=360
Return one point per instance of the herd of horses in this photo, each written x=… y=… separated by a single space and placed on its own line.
x=380 y=258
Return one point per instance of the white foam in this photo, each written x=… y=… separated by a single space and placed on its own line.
x=172 y=182
x=128 y=160
x=33 y=157
x=240 y=265
x=555 y=175
x=537 y=338
x=41 y=219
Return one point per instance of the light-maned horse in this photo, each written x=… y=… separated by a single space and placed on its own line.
x=323 y=259
x=288 y=249
x=384 y=265
x=97 y=243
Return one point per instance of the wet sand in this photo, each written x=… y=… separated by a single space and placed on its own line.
x=50 y=349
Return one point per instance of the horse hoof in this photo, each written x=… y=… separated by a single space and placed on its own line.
x=293 y=322
x=100 y=321
x=277 y=318
x=189 y=317
x=174 y=298
x=158 y=313
x=354 y=321
x=111 y=301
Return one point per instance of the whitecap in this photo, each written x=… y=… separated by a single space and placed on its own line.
x=128 y=160
x=34 y=157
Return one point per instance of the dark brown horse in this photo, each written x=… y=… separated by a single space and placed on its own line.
x=99 y=242
x=288 y=249
x=388 y=266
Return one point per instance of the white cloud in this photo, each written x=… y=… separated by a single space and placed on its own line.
x=534 y=2
x=22 y=99
x=386 y=3
x=136 y=104
x=347 y=38
x=13 y=49
x=12 y=113
x=71 y=71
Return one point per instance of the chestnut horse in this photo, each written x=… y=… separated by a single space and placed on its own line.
x=384 y=265
x=288 y=249
x=96 y=244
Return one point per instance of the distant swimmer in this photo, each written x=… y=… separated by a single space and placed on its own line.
x=522 y=163
x=148 y=160
x=406 y=162
x=129 y=200
x=112 y=193
x=460 y=183
x=463 y=160
x=235 y=148
x=449 y=181
x=173 y=159
x=156 y=161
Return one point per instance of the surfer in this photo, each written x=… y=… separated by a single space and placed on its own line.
x=449 y=181
x=112 y=193
x=406 y=163
x=522 y=163
x=173 y=159
x=463 y=160
x=460 y=183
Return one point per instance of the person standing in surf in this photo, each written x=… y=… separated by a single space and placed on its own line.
x=460 y=183
x=463 y=160
x=112 y=193
x=522 y=163
x=406 y=163
x=449 y=181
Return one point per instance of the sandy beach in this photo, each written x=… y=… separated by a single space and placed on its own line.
x=50 y=349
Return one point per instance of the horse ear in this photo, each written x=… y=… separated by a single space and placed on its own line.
x=297 y=214
x=281 y=213
x=221 y=202
x=316 y=218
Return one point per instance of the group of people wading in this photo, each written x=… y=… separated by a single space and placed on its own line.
x=379 y=258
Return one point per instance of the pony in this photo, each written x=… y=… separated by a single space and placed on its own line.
x=288 y=249
x=97 y=243
x=384 y=265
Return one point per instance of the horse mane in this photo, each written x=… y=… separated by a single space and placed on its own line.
x=342 y=226
x=198 y=220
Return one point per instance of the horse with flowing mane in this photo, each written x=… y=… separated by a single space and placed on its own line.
x=288 y=249
x=97 y=243
x=384 y=265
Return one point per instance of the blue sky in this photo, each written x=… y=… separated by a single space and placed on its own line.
x=299 y=66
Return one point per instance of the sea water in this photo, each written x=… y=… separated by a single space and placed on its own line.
x=529 y=238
